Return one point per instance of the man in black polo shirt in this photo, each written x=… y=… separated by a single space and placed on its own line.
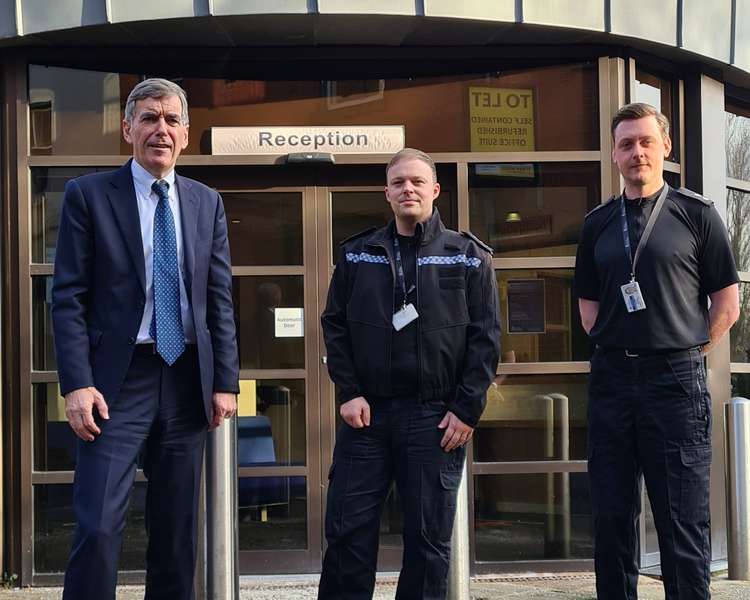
x=647 y=263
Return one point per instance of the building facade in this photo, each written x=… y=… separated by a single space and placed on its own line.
x=513 y=98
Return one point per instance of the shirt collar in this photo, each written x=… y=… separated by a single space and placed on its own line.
x=144 y=180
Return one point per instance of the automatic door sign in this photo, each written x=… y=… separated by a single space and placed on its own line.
x=526 y=306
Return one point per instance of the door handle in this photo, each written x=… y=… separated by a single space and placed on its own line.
x=324 y=359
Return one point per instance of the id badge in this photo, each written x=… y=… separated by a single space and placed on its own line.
x=631 y=294
x=404 y=316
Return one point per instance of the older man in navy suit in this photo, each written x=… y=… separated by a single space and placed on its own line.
x=146 y=348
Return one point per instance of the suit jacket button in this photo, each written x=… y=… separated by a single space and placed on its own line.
x=131 y=341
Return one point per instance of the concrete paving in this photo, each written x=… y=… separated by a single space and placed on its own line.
x=558 y=586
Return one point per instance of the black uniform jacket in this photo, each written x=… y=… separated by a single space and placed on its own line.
x=458 y=328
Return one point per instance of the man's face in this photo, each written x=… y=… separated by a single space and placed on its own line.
x=157 y=134
x=411 y=190
x=639 y=151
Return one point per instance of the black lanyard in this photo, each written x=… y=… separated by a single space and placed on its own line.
x=400 y=270
x=646 y=232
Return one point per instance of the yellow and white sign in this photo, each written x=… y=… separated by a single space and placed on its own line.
x=501 y=119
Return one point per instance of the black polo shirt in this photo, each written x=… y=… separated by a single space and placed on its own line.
x=687 y=257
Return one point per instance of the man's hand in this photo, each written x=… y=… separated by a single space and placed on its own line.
x=457 y=433
x=79 y=411
x=356 y=412
x=225 y=407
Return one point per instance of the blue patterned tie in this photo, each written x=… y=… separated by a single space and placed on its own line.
x=166 y=325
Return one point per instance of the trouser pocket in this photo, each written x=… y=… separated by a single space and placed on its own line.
x=689 y=483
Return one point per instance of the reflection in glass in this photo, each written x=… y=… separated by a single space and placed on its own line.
x=272 y=513
x=265 y=228
x=54 y=441
x=42 y=342
x=54 y=523
x=533 y=417
x=539 y=318
x=271 y=423
x=261 y=345
x=738 y=141
x=652 y=541
x=740 y=383
x=47 y=188
x=739 y=334
x=531 y=209
x=532 y=517
x=78 y=112
x=659 y=92
x=738 y=217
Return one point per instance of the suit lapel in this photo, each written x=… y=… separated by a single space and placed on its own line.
x=189 y=216
x=125 y=208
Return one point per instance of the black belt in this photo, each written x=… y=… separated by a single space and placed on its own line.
x=150 y=349
x=632 y=353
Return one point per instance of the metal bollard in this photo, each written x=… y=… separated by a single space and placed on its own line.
x=458 y=569
x=737 y=427
x=222 y=569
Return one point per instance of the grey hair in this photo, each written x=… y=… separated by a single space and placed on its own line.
x=156 y=88
x=409 y=154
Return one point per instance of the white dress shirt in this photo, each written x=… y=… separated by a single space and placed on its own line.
x=147 y=201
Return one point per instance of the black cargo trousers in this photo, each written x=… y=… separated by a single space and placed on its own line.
x=401 y=444
x=650 y=415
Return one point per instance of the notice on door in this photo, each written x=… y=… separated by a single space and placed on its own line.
x=501 y=119
x=289 y=322
x=526 y=306
x=355 y=139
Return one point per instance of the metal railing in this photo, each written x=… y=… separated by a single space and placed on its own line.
x=737 y=427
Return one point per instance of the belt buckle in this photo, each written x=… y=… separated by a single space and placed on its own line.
x=630 y=354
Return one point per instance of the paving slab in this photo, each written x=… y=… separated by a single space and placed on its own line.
x=559 y=586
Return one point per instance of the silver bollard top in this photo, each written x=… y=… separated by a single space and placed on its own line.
x=739 y=400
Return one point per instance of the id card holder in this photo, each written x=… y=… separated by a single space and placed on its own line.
x=631 y=294
x=404 y=316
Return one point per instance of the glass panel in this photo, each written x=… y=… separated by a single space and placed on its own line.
x=545 y=108
x=265 y=228
x=272 y=513
x=673 y=179
x=532 y=517
x=738 y=140
x=738 y=216
x=54 y=440
x=739 y=334
x=42 y=342
x=262 y=340
x=659 y=92
x=533 y=417
x=271 y=424
x=392 y=521
x=54 y=524
x=531 y=209
x=740 y=385
x=539 y=317
x=652 y=541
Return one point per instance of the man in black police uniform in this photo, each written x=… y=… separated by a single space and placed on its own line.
x=647 y=263
x=413 y=341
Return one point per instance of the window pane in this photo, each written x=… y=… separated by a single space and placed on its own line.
x=54 y=440
x=539 y=318
x=533 y=417
x=738 y=141
x=532 y=517
x=272 y=513
x=42 y=342
x=738 y=217
x=271 y=423
x=265 y=228
x=54 y=524
x=740 y=385
x=47 y=188
x=262 y=342
x=544 y=108
x=531 y=209
x=739 y=334
x=659 y=92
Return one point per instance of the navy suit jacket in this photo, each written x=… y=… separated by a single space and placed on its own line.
x=98 y=292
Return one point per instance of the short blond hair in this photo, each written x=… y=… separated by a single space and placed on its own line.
x=412 y=153
x=640 y=110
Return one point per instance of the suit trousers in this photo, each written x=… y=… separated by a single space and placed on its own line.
x=650 y=416
x=402 y=443
x=158 y=416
